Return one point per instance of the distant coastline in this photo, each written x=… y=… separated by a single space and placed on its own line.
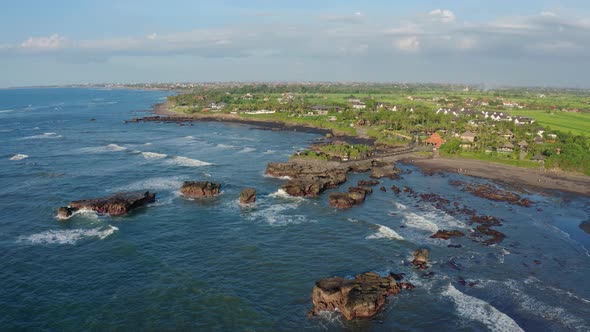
x=534 y=179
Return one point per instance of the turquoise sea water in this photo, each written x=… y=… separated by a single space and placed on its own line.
x=212 y=265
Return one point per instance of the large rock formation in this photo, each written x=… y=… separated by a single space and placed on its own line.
x=421 y=258
x=200 y=188
x=362 y=296
x=384 y=170
x=248 y=196
x=585 y=226
x=364 y=183
x=445 y=235
x=115 y=205
x=347 y=200
x=308 y=177
x=492 y=193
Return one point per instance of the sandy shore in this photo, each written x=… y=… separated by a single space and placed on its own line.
x=534 y=179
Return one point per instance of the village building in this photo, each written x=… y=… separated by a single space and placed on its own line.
x=506 y=147
x=435 y=140
x=523 y=145
x=468 y=136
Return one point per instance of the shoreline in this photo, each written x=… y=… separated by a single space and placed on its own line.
x=535 y=179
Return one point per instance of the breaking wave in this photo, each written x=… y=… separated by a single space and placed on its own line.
x=246 y=150
x=188 y=162
x=154 y=184
x=385 y=232
x=281 y=193
x=475 y=309
x=153 y=155
x=19 y=157
x=43 y=136
x=416 y=221
x=115 y=147
x=70 y=236
x=276 y=215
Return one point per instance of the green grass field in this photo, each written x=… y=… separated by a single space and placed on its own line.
x=577 y=123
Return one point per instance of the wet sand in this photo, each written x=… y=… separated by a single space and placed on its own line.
x=536 y=179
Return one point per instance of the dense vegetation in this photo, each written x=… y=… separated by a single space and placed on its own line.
x=399 y=114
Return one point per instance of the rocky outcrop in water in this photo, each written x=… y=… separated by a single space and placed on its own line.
x=585 y=226
x=492 y=193
x=445 y=235
x=421 y=258
x=116 y=205
x=308 y=178
x=366 y=191
x=367 y=183
x=200 y=188
x=248 y=196
x=346 y=200
x=384 y=170
x=360 y=297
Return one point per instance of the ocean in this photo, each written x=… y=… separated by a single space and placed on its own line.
x=213 y=265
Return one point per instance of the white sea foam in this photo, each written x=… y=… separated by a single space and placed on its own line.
x=188 y=162
x=385 y=232
x=275 y=215
x=43 y=136
x=277 y=177
x=189 y=137
x=281 y=193
x=400 y=206
x=6 y=111
x=154 y=184
x=115 y=147
x=153 y=155
x=416 y=221
x=548 y=312
x=84 y=212
x=269 y=152
x=246 y=150
x=70 y=236
x=147 y=144
x=19 y=157
x=225 y=146
x=475 y=309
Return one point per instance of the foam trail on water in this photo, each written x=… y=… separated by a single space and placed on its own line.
x=475 y=309
x=416 y=221
x=225 y=146
x=276 y=215
x=385 y=232
x=153 y=155
x=246 y=150
x=269 y=152
x=6 y=111
x=286 y=177
x=188 y=162
x=70 y=236
x=155 y=184
x=115 y=147
x=43 y=136
x=19 y=157
x=281 y=193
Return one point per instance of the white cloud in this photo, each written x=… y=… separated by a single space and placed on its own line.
x=152 y=36
x=548 y=14
x=52 y=42
x=442 y=15
x=408 y=44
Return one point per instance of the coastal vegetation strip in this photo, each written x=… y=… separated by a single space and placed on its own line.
x=521 y=127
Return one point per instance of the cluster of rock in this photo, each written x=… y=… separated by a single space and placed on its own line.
x=306 y=178
x=116 y=205
x=384 y=170
x=360 y=297
x=122 y=203
x=493 y=193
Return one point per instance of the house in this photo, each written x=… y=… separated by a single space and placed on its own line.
x=538 y=140
x=508 y=134
x=506 y=147
x=523 y=145
x=522 y=120
x=435 y=140
x=332 y=118
x=320 y=109
x=359 y=105
x=468 y=136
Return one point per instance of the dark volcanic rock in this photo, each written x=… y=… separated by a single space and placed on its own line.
x=421 y=258
x=445 y=235
x=303 y=187
x=200 y=188
x=366 y=191
x=496 y=236
x=368 y=183
x=395 y=189
x=493 y=193
x=384 y=170
x=486 y=220
x=308 y=178
x=360 y=297
x=383 y=189
x=248 y=196
x=115 y=205
x=346 y=200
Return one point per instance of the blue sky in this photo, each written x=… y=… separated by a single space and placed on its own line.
x=496 y=42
